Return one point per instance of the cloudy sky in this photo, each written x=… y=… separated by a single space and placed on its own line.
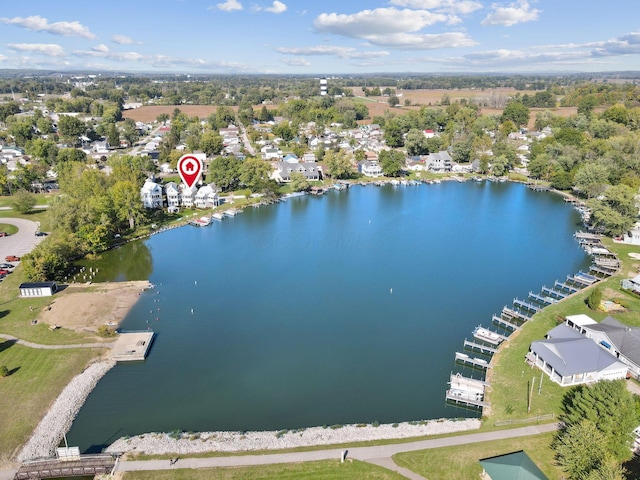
x=322 y=36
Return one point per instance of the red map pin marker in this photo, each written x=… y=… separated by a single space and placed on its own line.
x=189 y=168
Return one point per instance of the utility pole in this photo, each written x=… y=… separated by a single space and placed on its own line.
x=533 y=382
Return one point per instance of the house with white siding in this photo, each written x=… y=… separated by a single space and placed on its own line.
x=188 y=195
x=207 y=197
x=172 y=193
x=151 y=194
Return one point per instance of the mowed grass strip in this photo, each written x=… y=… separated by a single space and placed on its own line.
x=462 y=462
x=329 y=469
x=36 y=379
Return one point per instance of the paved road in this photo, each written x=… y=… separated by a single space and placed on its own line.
x=56 y=347
x=22 y=242
x=379 y=455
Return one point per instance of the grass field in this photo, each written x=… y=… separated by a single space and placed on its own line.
x=36 y=379
x=462 y=462
x=327 y=469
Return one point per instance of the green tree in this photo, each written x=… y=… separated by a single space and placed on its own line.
x=126 y=202
x=254 y=173
x=393 y=101
x=594 y=298
x=580 y=448
x=23 y=201
x=130 y=132
x=71 y=155
x=299 y=182
x=591 y=179
x=21 y=130
x=516 y=112
x=393 y=134
x=211 y=143
x=392 y=162
x=416 y=143
x=162 y=118
x=71 y=128
x=225 y=172
x=337 y=164
x=4 y=371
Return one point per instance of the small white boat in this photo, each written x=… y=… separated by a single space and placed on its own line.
x=217 y=216
x=487 y=335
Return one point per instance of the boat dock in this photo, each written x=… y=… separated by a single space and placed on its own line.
x=460 y=382
x=504 y=323
x=546 y=301
x=474 y=361
x=477 y=346
x=489 y=336
x=564 y=286
x=132 y=346
x=458 y=396
x=528 y=306
x=553 y=292
x=510 y=312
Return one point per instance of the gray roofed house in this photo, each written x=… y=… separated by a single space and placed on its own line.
x=620 y=340
x=439 y=162
x=572 y=359
x=284 y=170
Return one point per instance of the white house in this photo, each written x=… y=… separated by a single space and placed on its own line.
x=370 y=168
x=283 y=171
x=207 y=197
x=172 y=192
x=188 y=195
x=151 y=194
x=38 y=289
x=569 y=358
x=439 y=162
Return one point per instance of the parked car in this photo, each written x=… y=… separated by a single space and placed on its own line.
x=6 y=266
x=41 y=234
x=11 y=258
x=4 y=272
x=4 y=234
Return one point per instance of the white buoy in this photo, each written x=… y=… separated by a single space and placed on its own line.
x=391 y=290
x=196 y=282
x=192 y=311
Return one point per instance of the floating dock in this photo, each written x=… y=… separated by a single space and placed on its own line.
x=542 y=300
x=132 y=346
x=553 y=292
x=564 y=286
x=510 y=312
x=526 y=305
x=504 y=323
x=477 y=346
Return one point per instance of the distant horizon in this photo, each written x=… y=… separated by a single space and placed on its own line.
x=301 y=37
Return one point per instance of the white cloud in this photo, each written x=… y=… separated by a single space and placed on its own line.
x=624 y=45
x=451 y=6
x=40 y=24
x=341 y=52
x=519 y=12
x=229 y=6
x=100 y=48
x=122 y=39
x=377 y=23
x=277 y=7
x=49 y=49
x=296 y=62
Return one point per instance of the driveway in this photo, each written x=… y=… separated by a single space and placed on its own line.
x=22 y=242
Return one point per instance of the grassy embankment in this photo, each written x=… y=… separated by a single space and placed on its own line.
x=332 y=469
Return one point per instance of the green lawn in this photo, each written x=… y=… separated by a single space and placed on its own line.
x=328 y=469
x=41 y=199
x=35 y=216
x=7 y=227
x=36 y=379
x=462 y=462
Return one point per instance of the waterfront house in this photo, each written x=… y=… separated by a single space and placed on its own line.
x=283 y=171
x=188 y=195
x=439 y=162
x=569 y=358
x=151 y=194
x=370 y=168
x=172 y=192
x=207 y=197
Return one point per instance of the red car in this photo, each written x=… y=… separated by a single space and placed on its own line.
x=4 y=272
x=11 y=258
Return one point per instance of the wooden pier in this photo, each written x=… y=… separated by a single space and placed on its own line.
x=476 y=362
x=528 y=306
x=505 y=323
x=477 y=346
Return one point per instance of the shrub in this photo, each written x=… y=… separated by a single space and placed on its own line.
x=594 y=298
x=375 y=423
x=4 y=371
x=105 y=331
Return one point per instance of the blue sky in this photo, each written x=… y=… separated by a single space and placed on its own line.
x=322 y=37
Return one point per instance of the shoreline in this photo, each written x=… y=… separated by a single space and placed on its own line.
x=189 y=443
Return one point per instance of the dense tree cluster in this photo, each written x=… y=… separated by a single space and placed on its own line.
x=598 y=423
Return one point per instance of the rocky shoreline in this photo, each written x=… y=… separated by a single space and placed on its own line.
x=192 y=443
x=49 y=433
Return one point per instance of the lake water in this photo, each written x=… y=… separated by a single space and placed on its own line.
x=343 y=308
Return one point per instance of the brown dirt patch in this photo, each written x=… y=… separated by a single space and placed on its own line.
x=88 y=306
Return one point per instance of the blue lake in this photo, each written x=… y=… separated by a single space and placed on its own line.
x=343 y=308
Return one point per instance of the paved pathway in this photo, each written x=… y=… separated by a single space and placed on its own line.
x=56 y=347
x=379 y=455
x=21 y=242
